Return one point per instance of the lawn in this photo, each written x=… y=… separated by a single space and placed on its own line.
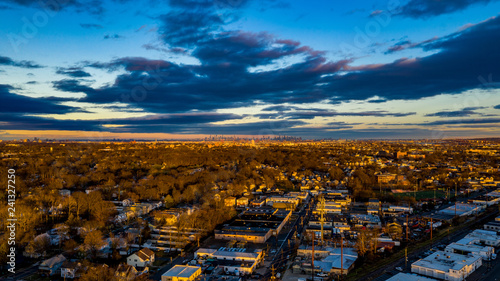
x=424 y=194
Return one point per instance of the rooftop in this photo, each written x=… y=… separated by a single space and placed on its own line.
x=184 y=271
x=445 y=261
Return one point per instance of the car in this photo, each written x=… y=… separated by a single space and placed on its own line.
x=322 y=274
x=399 y=268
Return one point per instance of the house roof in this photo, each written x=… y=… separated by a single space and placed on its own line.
x=145 y=254
x=53 y=261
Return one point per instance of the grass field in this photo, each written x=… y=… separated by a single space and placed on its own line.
x=424 y=194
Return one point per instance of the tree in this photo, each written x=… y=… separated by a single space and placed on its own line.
x=99 y=273
x=93 y=242
x=366 y=242
x=70 y=246
x=169 y=201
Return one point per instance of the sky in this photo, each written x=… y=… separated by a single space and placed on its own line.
x=184 y=69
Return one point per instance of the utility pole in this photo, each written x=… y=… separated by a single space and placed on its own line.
x=431 y=228
x=322 y=220
x=312 y=257
x=406 y=227
x=455 y=208
x=406 y=257
x=341 y=255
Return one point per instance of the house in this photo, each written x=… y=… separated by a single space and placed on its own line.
x=181 y=273
x=141 y=258
x=72 y=270
x=51 y=266
x=242 y=202
x=126 y=272
x=230 y=201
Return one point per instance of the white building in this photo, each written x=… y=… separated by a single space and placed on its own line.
x=447 y=266
x=234 y=260
x=181 y=273
x=142 y=258
x=470 y=246
x=486 y=237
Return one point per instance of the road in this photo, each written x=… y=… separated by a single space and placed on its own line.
x=287 y=241
x=24 y=273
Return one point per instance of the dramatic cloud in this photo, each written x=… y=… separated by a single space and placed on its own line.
x=465 y=112
x=223 y=79
x=461 y=60
x=24 y=64
x=18 y=104
x=92 y=6
x=74 y=72
x=457 y=122
x=311 y=114
x=429 y=8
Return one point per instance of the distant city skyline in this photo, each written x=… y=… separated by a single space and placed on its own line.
x=188 y=69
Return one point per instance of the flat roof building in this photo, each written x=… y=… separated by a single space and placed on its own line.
x=486 y=237
x=181 y=273
x=447 y=266
x=470 y=246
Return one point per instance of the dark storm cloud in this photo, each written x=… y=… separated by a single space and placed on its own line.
x=18 y=104
x=258 y=128
x=462 y=58
x=466 y=112
x=428 y=8
x=72 y=86
x=23 y=64
x=171 y=123
x=459 y=121
x=322 y=113
x=21 y=122
x=74 y=72
x=177 y=119
x=189 y=27
x=92 y=6
x=224 y=79
x=221 y=81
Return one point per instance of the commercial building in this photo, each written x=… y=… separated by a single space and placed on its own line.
x=471 y=246
x=181 y=273
x=327 y=259
x=233 y=260
x=485 y=237
x=255 y=225
x=447 y=266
